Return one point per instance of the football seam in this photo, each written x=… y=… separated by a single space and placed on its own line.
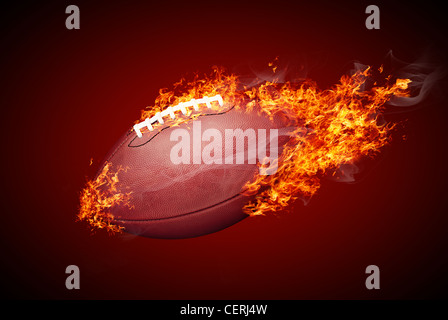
x=183 y=214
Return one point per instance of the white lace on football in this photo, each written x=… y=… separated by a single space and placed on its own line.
x=182 y=107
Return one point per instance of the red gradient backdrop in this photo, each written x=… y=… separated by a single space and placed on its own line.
x=68 y=95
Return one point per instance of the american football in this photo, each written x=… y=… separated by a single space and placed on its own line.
x=212 y=152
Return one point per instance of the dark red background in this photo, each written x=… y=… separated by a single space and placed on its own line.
x=67 y=96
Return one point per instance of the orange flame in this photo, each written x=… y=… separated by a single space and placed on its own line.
x=217 y=83
x=333 y=127
x=98 y=197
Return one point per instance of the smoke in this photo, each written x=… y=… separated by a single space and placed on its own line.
x=425 y=75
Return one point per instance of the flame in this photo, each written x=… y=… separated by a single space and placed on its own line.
x=334 y=127
x=216 y=83
x=402 y=83
x=342 y=125
x=273 y=64
x=99 y=196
